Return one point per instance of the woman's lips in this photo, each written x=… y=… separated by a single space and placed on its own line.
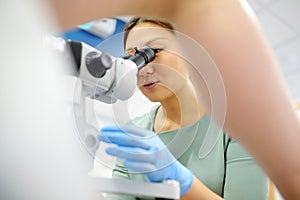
x=151 y=85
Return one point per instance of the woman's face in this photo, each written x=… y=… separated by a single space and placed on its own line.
x=166 y=75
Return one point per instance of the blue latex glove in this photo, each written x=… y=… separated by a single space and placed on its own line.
x=143 y=152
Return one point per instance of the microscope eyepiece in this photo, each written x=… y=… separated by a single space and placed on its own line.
x=142 y=57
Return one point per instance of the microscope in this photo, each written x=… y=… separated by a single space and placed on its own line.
x=104 y=78
x=107 y=79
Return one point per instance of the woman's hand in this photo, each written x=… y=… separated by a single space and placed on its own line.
x=143 y=152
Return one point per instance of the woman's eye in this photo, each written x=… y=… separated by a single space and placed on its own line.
x=156 y=50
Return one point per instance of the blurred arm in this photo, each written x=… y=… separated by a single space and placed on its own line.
x=70 y=13
x=260 y=114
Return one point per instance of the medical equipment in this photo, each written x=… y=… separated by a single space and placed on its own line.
x=104 y=77
x=101 y=77
x=107 y=79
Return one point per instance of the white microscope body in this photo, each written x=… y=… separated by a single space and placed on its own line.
x=104 y=78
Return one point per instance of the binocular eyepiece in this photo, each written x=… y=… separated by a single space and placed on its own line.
x=142 y=57
x=98 y=63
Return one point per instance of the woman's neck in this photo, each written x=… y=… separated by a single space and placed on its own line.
x=179 y=110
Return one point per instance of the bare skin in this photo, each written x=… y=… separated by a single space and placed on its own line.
x=260 y=113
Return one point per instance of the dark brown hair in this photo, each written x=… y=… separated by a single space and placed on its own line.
x=139 y=20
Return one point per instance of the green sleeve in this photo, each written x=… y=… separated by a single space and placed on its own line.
x=244 y=179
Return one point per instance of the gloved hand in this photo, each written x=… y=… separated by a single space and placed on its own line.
x=143 y=152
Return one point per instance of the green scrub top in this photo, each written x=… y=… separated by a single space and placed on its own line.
x=215 y=159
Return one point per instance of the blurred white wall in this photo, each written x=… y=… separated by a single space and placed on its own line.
x=41 y=157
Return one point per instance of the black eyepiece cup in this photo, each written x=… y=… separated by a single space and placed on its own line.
x=143 y=56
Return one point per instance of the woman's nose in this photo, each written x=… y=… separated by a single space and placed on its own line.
x=147 y=70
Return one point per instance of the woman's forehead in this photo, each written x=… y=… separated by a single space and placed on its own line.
x=147 y=32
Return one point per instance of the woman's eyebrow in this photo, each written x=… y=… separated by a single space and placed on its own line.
x=148 y=42
x=155 y=39
x=129 y=49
